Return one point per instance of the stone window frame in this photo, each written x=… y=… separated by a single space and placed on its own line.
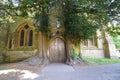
x=26 y=35
x=87 y=42
x=84 y=43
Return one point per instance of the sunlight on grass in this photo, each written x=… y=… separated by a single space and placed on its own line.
x=102 y=60
x=24 y=74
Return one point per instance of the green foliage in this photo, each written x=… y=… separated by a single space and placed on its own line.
x=3 y=41
x=116 y=40
x=40 y=10
x=1 y=59
x=83 y=18
x=102 y=60
x=114 y=30
x=74 y=55
x=42 y=23
x=1 y=53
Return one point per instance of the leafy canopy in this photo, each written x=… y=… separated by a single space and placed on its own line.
x=81 y=18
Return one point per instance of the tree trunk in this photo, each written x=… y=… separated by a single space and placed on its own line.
x=78 y=49
x=69 y=48
x=43 y=48
x=76 y=54
x=44 y=51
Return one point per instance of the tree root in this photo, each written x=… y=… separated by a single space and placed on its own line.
x=36 y=61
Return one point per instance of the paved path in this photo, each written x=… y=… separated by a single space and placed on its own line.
x=65 y=72
x=61 y=72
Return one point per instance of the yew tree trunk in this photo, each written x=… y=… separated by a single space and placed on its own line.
x=69 y=48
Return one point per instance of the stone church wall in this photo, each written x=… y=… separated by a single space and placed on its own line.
x=92 y=53
x=13 y=56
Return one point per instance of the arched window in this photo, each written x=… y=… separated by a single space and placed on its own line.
x=30 y=42
x=93 y=41
x=22 y=38
x=84 y=42
x=25 y=36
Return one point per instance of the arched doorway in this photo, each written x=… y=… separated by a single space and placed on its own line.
x=57 y=51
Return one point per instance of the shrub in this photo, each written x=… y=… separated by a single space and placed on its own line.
x=74 y=55
x=1 y=56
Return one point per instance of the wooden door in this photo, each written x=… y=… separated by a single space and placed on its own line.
x=57 y=51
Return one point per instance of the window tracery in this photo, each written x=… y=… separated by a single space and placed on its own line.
x=25 y=36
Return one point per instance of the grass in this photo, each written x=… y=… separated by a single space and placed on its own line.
x=116 y=40
x=102 y=61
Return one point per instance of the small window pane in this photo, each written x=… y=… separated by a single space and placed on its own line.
x=22 y=38
x=84 y=42
x=91 y=42
x=30 y=38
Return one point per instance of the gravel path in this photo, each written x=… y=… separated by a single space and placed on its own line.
x=60 y=71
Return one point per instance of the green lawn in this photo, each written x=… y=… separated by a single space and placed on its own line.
x=102 y=60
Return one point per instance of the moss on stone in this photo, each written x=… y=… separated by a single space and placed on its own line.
x=1 y=59
x=13 y=56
